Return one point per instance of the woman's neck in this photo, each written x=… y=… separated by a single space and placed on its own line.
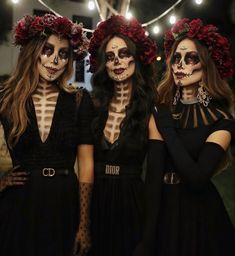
x=122 y=95
x=46 y=86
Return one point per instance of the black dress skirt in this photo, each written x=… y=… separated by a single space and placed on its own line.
x=42 y=216
x=117 y=205
x=193 y=220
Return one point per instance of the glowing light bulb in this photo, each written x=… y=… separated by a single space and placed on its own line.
x=91 y=5
x=172 y=19
x=198 y=2
x=15 y=1
x=158 y=58
x=129 y=15
x=156 y=29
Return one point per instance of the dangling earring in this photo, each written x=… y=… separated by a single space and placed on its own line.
x=177 y=95
x=203 y=96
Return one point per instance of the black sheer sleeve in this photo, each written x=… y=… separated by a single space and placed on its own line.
x=85 y=116
x=153 y=185
x=195 y=173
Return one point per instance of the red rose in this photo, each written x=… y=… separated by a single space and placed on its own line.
x=48 y=20
x=37 y=25
x=62 y=26
x=76 y=35
x=194 y=27
x=149 y=51
x=179 y=26
x=22 y=30
x=222 y=41
x=76 y=30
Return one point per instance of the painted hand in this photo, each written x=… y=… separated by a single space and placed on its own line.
x=13 y=178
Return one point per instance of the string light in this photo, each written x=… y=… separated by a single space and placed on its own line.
x=146 y=33
x=156 y=29
x=172 y=19
x=158 y=58
x=91 y=5
x=198 y=2
x=128 y=15
x=162 y=15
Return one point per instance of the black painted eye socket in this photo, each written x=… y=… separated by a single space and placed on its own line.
x=190 y=58
x=122 y=53
x=176 y=58
x=109 y=56
x=48 y=50
x=64 y=54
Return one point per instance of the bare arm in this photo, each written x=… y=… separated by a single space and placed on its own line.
x=85 y=163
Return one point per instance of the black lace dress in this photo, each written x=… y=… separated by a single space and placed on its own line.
x=193 y=220
x=42 y=216
x=117 y=205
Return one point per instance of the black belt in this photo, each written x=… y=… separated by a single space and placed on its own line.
x=112 y=169
x=49 y=172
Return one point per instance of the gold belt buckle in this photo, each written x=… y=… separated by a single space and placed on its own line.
x=48 y=172
x=112 y=169
x=171 y=178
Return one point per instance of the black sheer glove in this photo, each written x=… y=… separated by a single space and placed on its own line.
x=153 y=185
x=195 y=173
x=82 y=243
x=13 y=177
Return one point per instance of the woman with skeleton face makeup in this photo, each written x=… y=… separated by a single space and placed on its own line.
x=196 y=124
x=122 y=60
x=47 y=125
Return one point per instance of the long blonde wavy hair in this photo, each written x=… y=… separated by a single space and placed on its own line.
x=23 y=81
x=218 y=88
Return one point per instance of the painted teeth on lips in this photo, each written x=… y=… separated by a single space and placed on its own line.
x=180 y=75
x=51 y=69
x=118 y=71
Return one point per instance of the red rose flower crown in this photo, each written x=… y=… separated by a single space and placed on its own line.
x=217 y=45
x=116 y=24
x=30 y=27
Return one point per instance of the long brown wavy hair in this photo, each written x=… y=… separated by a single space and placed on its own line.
x=213 y=83
x=23 y=81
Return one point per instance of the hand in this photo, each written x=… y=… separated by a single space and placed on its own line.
x=82 y=243
x=13 y=178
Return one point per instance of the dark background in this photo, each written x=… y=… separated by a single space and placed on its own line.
x=218 y=12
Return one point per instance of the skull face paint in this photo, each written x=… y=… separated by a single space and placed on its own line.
x=186 y=65
x=120 y=64
x=53 y=58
